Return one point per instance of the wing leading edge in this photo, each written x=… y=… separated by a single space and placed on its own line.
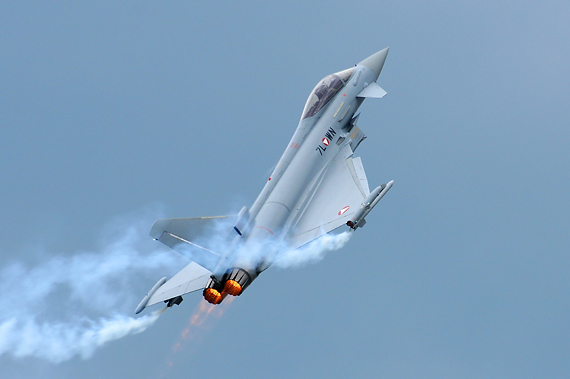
x=338 y=196
x=201 y=239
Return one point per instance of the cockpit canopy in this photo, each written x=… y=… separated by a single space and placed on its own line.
x=325 y=91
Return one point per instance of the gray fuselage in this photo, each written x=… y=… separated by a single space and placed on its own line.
x=290 y=187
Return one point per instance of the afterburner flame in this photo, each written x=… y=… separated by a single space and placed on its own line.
x=204 y=318
x=212 y=296
x=232 y=288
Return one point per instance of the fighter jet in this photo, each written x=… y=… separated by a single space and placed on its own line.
x=317 y=186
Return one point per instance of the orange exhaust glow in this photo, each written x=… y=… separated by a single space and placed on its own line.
x=212 y=296
x=205 y=317
x=232 y=288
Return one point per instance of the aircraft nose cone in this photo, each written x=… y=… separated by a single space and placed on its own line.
x=375 y=62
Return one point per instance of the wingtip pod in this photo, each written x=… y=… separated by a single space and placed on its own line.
x=382 y=193
x=369 y=203
x=375 y=62
x=145 y=300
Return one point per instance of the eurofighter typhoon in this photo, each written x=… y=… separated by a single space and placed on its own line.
x=316 y=187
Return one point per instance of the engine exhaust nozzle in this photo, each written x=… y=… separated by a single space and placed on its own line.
x=232 y=288
x=236 y=280
x=212 y=296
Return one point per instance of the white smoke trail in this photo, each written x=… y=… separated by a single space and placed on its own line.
x=313 y=251
x=59 y=341
x=70 y=305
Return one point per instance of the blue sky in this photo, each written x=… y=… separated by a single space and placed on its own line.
x=138 y=110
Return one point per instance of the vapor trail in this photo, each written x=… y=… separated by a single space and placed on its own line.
x=69 y=305
x=313 y=251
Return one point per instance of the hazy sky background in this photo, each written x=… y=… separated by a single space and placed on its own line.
x=115 y=113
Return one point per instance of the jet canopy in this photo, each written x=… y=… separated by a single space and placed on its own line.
x=325 y=91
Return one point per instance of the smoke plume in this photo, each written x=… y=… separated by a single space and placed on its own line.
x=69 y=305
x=313 y=251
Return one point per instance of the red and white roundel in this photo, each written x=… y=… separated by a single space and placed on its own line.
x=326 y=141
x=343 y=210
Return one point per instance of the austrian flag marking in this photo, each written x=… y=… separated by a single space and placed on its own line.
x=343 y=210
x=329 y=136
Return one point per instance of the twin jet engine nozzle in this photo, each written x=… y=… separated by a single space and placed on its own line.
x=233 y=283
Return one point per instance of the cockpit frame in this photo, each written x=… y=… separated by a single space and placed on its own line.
x=324 y=91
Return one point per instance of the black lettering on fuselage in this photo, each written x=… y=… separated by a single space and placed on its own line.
x=329 y=135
